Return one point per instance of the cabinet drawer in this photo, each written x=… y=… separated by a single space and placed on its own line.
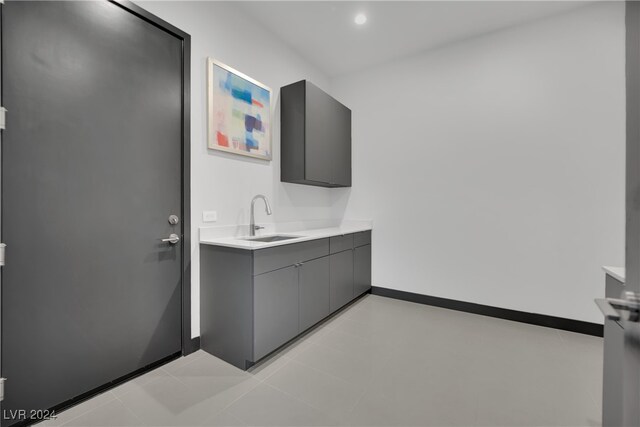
x=270 y=259
x=362 y=238
x=340 y=243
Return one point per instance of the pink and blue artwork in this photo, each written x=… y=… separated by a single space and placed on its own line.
x=239 y=115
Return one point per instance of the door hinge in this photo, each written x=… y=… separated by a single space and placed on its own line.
x=2 y=380
x=3 y=116
x=3 y=249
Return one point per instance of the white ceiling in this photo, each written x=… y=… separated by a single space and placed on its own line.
x=325 y=34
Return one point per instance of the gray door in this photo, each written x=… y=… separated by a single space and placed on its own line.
x=631 y=377
x=625 y=308
x=91 y=172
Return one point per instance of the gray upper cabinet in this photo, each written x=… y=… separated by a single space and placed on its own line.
x=315 y=137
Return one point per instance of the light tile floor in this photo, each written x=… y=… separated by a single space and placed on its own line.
x=381 y=362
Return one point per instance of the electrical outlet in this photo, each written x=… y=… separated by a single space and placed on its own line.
x=209 y=216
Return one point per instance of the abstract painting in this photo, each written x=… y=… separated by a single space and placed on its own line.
x=239 y=115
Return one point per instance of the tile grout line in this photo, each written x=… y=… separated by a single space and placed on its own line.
x=130 y=410
x=296 y=399
x=304 y=365
x=175 y=377
x=151 y=381
x=114 y=397
x=356 y=403
x=293 y=360
x=224 y=408
x=288 y=360
x=350 y=335
x=263 y=381
x=142 y=422
x=331 y=348
x=191 y=388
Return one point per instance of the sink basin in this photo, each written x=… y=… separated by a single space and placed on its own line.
x=274 y=238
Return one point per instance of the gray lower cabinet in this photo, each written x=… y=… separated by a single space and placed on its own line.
x=612 y=396
x=254 y=301
x=275 y=307
x=361 y=270
x=341 y=282
x=313 y=292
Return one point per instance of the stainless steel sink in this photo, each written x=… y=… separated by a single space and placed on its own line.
x=274 y=238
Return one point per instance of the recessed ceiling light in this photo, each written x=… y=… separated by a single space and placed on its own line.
x=360 y=19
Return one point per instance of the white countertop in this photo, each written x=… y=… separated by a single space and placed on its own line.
x=212 y=236
x=615 y=272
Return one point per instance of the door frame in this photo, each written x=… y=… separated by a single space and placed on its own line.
x=189 y=345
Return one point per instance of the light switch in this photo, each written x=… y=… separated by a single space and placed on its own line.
x=209 y=216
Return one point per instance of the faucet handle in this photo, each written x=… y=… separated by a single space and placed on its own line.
x=257 y=227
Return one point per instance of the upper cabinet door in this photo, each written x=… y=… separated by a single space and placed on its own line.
x=316 y=149
x=320 y=135
x=341 y=142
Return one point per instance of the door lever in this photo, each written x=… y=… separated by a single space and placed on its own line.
x=172 y=239
x=611 y=307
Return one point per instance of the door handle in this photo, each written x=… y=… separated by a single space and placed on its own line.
x=607 y=309
x=629 y=304
x=172 y=239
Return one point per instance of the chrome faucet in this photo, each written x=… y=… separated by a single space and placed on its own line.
x=252 y=222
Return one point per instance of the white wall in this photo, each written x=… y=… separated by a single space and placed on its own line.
x=220 y=181
x=494 y=168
